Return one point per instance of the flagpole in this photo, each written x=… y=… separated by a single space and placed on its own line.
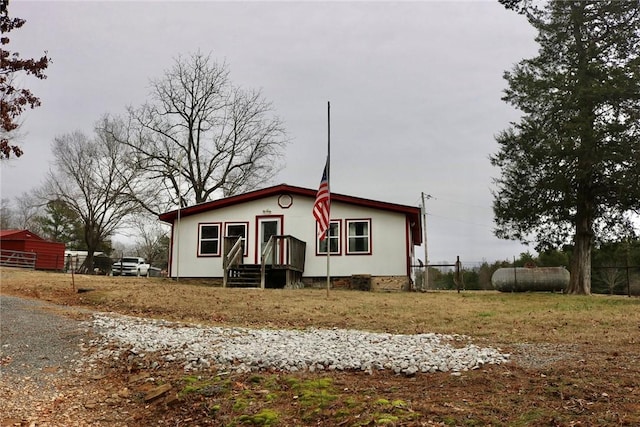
x=329 y=184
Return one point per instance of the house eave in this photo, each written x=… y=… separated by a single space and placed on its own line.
x=412 y=213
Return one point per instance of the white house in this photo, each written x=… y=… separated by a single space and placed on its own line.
x=368 y=238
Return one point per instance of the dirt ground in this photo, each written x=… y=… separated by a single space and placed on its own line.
x=568 y=379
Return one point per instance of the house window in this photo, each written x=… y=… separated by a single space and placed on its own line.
x=209 y=240
x=238 y=229
x=358 y=236
x=333 y=240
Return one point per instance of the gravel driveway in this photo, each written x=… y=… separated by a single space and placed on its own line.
x=39 y=349
x=38 y=339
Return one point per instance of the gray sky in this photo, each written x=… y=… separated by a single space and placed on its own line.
x=414 y=87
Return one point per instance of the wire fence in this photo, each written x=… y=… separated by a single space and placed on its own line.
x=616 y=280
x=612 y=280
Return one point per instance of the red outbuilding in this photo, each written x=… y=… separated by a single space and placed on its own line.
x=19 y=245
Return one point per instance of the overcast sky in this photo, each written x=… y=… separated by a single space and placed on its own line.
x=414 y=88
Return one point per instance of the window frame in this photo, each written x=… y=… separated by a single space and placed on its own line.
x=337 y=236
x=369 y=236
x=245 y=224
x=218 y=225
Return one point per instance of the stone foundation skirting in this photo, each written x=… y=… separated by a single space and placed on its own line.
x=362 y=282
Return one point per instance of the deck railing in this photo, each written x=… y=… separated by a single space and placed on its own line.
x=234 y=251
x=283 y=252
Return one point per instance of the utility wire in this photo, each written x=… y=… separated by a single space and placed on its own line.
x=456 y=219
x=461 y=220
x=459 y=203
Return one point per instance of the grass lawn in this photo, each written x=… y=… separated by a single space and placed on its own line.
x=576 y=360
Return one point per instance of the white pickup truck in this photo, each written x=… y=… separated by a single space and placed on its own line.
x=133 y=266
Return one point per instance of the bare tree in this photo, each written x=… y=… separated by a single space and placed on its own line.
x=94 y=177
x=120 y=249
x=6 y=215
x=27 y=211
x=23 y=213
x=199 y=136
x=611 y=278
x=152 y=240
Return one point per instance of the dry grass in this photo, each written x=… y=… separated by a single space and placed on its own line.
x=498 y=317
x=591 y=376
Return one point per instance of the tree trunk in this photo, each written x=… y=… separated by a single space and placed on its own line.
x=87 y=265
x=92 y=244
x=580 y=281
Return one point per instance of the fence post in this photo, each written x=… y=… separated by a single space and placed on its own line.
x=458 y=277
x=628 y=280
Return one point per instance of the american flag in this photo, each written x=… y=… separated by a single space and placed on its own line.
x=322 y=205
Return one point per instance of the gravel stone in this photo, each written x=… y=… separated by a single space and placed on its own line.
x=247 y=350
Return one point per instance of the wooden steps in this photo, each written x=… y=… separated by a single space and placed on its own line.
x=244 y=276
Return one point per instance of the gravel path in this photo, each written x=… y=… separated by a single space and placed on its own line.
x=37 y=339
x=40 y=352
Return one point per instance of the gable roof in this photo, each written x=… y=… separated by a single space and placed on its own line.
x=413 y=213
x=18 y=235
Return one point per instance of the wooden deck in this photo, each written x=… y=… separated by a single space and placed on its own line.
x=282 y=263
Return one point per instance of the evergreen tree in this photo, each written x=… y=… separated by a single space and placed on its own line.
x=569 y=166
x=553 y=258
x=61 y=224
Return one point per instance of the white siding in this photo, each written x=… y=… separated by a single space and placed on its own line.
x=388 y=238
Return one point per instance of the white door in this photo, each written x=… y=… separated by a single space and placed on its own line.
x=269 y=226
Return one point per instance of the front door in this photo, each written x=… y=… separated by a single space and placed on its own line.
x=267 y=227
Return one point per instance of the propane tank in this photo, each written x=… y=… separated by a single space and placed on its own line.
x=535 y=279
